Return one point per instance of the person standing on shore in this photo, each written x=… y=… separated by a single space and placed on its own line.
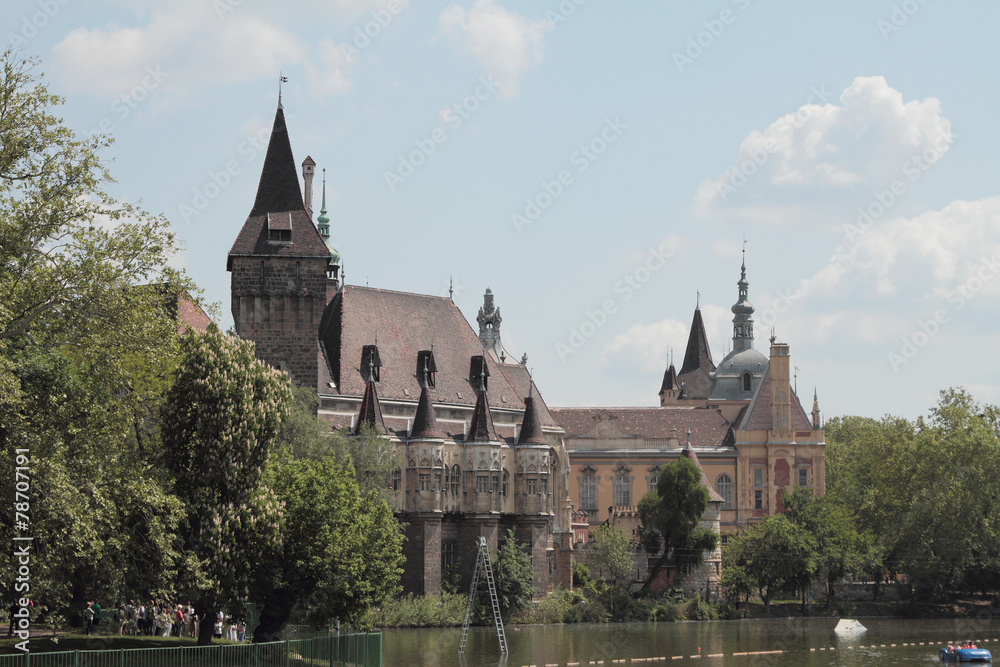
x=88 y=614
x=97 y=614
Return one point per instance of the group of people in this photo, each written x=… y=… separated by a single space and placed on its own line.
x=957 y=647
x=162 y=619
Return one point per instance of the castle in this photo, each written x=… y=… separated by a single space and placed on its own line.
x=480 y=452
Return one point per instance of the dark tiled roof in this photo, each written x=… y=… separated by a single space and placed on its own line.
x=694 y=376
x=708 y=427
x=405 y=324
x=370 y=413
x=425 y=421
x=669 y=379
x=481 y=428
x=713 y=495
x=531 y=429
x=757 y=415
x=278 y=194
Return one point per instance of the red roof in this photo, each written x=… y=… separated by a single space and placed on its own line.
x=708 y=427
x=405 y=324
x=757 y=415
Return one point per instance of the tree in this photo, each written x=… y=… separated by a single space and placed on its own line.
x=841 y=548
x=87 y=341
x=341 y=552
x=674 y=512
x=219 y=426
x=613 y=551
x=513 y=577
x=775 y=555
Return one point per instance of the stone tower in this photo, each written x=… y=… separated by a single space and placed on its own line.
x=489 y=324
x=278 y=265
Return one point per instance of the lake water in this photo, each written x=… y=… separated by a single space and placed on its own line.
x=808 y=642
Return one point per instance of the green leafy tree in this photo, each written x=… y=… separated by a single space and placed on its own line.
x=87 y=340
x=613 y=552
x=841 y=549
x=513 y=577
x=674 y=512
x=776 y=555
x=219 y=427
x=341 y=552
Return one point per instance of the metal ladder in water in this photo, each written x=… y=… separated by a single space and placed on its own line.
x=483 y=563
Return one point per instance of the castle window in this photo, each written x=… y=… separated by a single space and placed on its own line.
x=425 y=482
x=479 y=373
x=543 y=485
x=506 y=481
x=724 y=487
x=397 y=479
x=623 y=488
x=425 y=364
x=370 y=362
x=758 y=500
x=747 y=382
x=437 y=481
x=654 y=479
x=456 y=474
x=482 y=483
x=279 y=228
x=803 y=477
x=495 y=483
x=530 y=486
x=758 y=477
x=447 y=554
x=723 y=540
x=588 y=493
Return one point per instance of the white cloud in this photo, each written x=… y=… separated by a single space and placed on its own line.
x=897 y=273
x=504 y=42
x=329 y=75
x=185 y=41
x=646 y=347
x=829 y=156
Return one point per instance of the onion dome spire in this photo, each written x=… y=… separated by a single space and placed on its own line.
x=743 y=312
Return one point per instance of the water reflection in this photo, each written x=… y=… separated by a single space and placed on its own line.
x=810 y=642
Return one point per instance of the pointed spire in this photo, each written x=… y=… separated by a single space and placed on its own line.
x=531 y=425
x=688 y=452
x=324 y=219
x=425 y=421
x=481 y=429
x=278 y=189
x=694 y=379
x=370 y=413
x=743 y=311
x=815 y=410
x=669 y=379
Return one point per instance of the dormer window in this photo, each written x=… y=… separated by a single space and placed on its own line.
x=479 y=373
x=747 y=382
x=371 y=364
x=279 y=228
x=426 y=368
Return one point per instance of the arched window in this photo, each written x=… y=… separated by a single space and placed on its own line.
x=623 y=488
x=588 y=493
x=747 y=382
x=456 y=478
x=654 y=479
x=724 y=486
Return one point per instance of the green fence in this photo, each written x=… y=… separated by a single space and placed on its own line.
x=354 y=650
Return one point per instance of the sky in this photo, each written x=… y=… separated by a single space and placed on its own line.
x=600 y=166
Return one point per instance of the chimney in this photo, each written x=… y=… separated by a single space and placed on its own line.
x=308 y=169
x=781 y=399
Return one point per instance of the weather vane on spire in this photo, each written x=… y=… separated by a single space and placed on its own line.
x=281 y=79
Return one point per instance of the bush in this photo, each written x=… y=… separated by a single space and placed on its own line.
x=432 y=611
x=581 y=574
x=699 y=610
x=560 y=606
